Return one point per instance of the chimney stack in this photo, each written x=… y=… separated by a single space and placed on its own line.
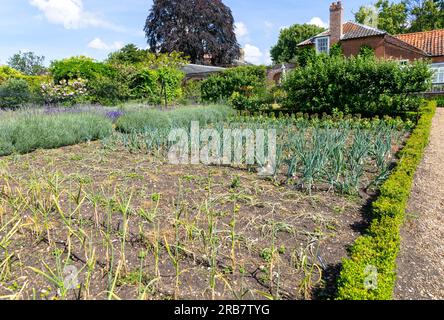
x=336 y=21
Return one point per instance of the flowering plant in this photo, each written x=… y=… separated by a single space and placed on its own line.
x=66 y=91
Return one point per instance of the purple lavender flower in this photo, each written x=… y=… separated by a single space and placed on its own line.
x=114 y=115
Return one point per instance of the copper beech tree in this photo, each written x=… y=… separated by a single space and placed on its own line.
x=202 y=29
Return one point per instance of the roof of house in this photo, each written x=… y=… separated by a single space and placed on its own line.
x=194 y=69
x=351 y=30
x=431 y=42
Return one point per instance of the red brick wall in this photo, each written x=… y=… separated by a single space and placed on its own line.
x=352 y=47
x=383 y=48
x=398 y=50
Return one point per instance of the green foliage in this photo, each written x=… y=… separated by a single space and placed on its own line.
x=403 y=17
x=366 y=51
x=7 y=73
x=248 y=101
x=306 y=55
x=155 y=85
x=358 y=85
x=78 y=67
x=129 y=54
x=14 y=93
x=24 y=133
x=27 y=63
x=426 y=15
x=239 y=85
x=192 y=91
x=108 y=91
x=141 y=120
x=336 y=50
x=379 y=248
x=173 y=60
x=286 y=49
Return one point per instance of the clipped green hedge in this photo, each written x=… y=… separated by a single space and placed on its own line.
x=379 y=248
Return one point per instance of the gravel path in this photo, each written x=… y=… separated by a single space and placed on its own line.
x=421 y=261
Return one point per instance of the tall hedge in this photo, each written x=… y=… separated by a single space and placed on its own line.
x=357 y=85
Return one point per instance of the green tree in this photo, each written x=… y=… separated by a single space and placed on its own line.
x=287 y=48
x=403 y=17
x=128 y=54
x=425 y=15
x=386 y=15
x=28 y=63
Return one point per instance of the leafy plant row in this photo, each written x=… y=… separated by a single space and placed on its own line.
x=27 y=132
x=370 y=272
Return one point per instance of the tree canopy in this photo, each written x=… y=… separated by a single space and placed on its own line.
x=286 y=49
x=403 y=17
x=199 y=28
x=28 y=63
x=129 y=54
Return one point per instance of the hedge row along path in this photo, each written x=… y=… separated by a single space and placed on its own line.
x=421 y=260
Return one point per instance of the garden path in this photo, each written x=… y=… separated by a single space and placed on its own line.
x=421 y=260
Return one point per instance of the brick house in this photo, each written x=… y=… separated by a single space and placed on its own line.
x=405 y=47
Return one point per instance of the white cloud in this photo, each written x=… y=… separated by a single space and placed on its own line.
x=69 y=13
x=240 y=29
x=318 y=22
x=99 y=44
x=254 y=55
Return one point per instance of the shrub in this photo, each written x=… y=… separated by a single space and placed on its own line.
x=192 y=91
x=354 y=85
x=378 y=249
x=181 y=117
x=79 y=67
x=67 y=92
x=222 y=86
x=7 y=73
x=247 y=84
x=27 y=132
x=14 y=93
x=250 y=102
x=156 y=84
x=108 y=90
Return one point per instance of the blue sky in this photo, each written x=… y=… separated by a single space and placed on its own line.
x=63 y=28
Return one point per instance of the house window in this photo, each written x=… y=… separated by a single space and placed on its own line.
x=439 y=73
x=322 y=45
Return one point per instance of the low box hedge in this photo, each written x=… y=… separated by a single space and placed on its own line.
x=378 y=249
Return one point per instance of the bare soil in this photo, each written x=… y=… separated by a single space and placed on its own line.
x=234 y=234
